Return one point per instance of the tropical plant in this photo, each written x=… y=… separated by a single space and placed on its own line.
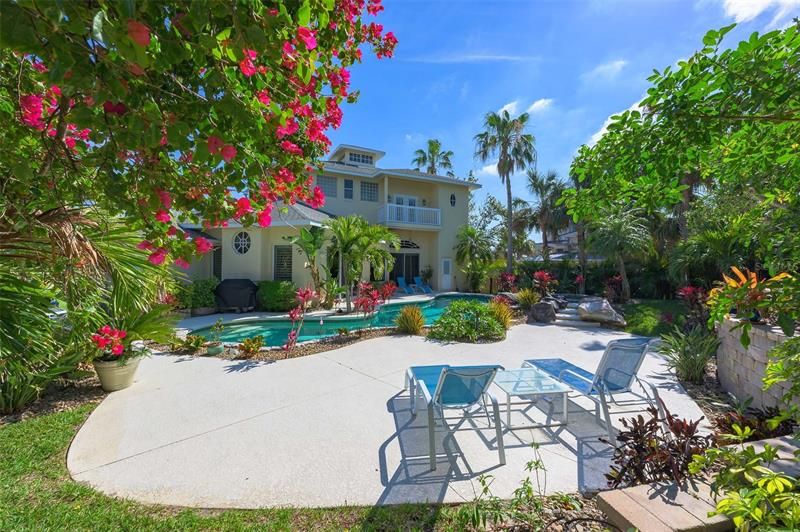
x=310 y=241
x=426 y=274
x=387 y=290
x=356 y=243
x=276 y=296
x=784 y=368
x=432 y=158
x=472 y=245
x=543 y=282
x=303 y=297
x=505 y=138
x=191 y=343
x=330 y=290
x=527 y=298
x=502 y=313
x=508 y=282
x=476 y=274
x=688 y=353
x=696 y=299
x=250 y=347
x=550 y=214
x=216 y=333
x=202 y=293
x=467 y=321
x=763 y=423
x=368 y=298
x=619 y=234
x=410 y=320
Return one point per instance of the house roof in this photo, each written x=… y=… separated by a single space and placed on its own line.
x=373 y=172
x=194 y=233
x=297 y=214
x=376 y=154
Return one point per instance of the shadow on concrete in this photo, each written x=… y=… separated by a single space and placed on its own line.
x=242 y=366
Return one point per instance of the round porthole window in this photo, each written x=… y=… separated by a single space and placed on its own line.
x=241 y=242
x=452 y=200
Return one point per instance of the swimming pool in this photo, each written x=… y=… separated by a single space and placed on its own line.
x=275 y=330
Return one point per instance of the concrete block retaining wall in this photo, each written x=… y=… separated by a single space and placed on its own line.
x=741 y=370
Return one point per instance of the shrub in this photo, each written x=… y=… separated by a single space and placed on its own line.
x=508 y=282
x=192 y=343
x=202 y=293
x=249 y=347
x=276 y=296
x=689 y=353
x=757 y=420
x=183 y=296
x=527 y=297
x=501 y=312
x=467 y=321
x=410 y=320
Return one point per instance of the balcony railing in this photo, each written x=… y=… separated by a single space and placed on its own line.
x=403 y=214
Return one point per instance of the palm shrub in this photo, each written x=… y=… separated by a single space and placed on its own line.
x=467 y=321
x=688 y=353
x=410 y=320
x=527 y=298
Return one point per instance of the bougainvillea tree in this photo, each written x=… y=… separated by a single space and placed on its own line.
x=160 y=112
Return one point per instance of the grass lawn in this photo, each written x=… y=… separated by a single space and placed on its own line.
x=645 y=316
x=36 y=493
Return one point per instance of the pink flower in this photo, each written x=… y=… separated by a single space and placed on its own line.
x=287 y=129
x=105 y=329
x=118 y=108
x=265 y=217
x=202 y=245
x=165 y=198
x=228 y=153
x=246 y=65
x=157 y=257
x=287 y=49
x=214 y=144
x=39 y=66
x=304 y=295
x=32 y=107
x=374 y=7
x=291 y=147
x=263 y=97
x=162 y=216
x=308 y=37
x=295 y=314
x=172 y=231
x=139 y=33
x=243 y=207
x=145 y=245
x=117 y=349
x=182 y=263
x=317 y=199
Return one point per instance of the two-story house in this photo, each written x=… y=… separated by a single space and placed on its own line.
x=425 y=210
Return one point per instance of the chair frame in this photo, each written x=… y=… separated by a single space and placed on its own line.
x=433 y=403
x=424 y=288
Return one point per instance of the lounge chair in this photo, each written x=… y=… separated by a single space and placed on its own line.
x=453 y=387
x=401 y=283
x=422 y=286
x=615 y=374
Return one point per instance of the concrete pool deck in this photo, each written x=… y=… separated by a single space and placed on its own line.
x=335 y=428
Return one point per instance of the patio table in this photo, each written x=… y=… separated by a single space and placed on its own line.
x=530 y=383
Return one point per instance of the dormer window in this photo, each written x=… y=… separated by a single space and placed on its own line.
x=359 y=158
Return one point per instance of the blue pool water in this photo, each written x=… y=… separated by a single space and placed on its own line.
x=275 y=330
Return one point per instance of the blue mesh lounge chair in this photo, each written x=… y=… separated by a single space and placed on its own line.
x=615 y=374
x=422 y=286
x=401 y=282
x=453 y=387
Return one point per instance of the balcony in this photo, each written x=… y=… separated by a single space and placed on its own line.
x=390 y=214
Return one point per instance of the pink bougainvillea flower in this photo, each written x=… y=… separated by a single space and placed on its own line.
x=263 y=97
x=118 y=108
x=165 y=198
x=157 y=257
x=291 y=147
x=144 y=244
x=139 y=33
x=243 y=207
x=39 y=66
x=287 y=49
x=182 y=263
x=374 y=7
x=162 y=216
x=308 y=36
x=32 y=107
x=265 y=217
x=172 y=231
x=289 y=128
x=202 y=245
x=246 y=65
x=317 y=198
x=214 y=144
x=228 y=153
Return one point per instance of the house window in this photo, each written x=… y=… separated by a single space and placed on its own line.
x=328 y=185
x=452 y=200
x=360 y=158
x=241 y=242
x=369 y=191
x=348 y=189
x=283 y=263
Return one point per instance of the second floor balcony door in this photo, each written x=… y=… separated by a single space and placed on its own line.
x=406 y=215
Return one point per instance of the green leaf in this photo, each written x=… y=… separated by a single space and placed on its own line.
x=786 y=323
x=304 y=14
x=97 y=26
x=224 y=34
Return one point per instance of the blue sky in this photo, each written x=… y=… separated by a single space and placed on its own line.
x=570 y=63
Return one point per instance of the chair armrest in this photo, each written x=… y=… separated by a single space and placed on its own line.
x=424 y=389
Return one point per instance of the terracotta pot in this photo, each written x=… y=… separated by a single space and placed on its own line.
x=115 y=376
x=203 y=311
x=213 y=350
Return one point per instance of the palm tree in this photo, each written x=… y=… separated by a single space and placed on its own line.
x=472 y=244
x=310 y=242
x=619 y=233
x=551 y=216
x=432 y=158
x=356 y=242
x=505 y=138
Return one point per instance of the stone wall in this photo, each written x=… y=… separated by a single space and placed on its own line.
x=741 y=370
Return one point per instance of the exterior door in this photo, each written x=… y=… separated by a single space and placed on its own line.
x=447 y=275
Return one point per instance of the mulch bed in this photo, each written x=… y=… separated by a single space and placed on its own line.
x=62 y=394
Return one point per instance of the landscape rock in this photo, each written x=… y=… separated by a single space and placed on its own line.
x=600 y=310
x=542 y=312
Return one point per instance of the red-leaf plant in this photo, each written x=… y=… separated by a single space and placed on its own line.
x=297 y=315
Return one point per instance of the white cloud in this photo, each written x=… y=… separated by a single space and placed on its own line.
x=745 y=10
x=606 y=71
x=489 y=169
x=474 y=58
x=602 y=131
x=540 y=105
x=511 y=107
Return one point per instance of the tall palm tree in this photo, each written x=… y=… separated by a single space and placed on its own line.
x=433 y=158
x=472 y=244
x=505 y=138
x=618 y=234
x=551 y=216
x=356 y=242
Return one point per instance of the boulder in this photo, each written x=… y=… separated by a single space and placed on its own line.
x=600 y=310
x=542 y=312
x=559 y=302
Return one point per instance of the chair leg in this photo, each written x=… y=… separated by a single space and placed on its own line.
x=607 y=417
x=412 y=395
x=501 y=448
x=431 y=437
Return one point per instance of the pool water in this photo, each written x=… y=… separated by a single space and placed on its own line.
x=275 y=330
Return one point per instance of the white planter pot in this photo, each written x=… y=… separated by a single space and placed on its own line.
x=115 y=376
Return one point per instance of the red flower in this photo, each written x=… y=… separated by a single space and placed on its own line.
x=32 y=108
x=157 y=257
x=579 y=279
x=263 y=97
x=295 y=314
x=165 y=198
x=374 y=7
x=162 y=216
x=265 y=217
x=304 y=295
x=308 y=37
x=139 y=33
x=202 y=245
x=243 y=207
x=145 y=245
x=182 y=263
x=214 y=144
x=292 y=148
x=117 y=349
x=317 y=200
x=287 y=129
x=228 y=153
x=246 y=65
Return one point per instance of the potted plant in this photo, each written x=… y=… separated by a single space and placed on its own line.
x=203 y=298
x=215 y=347
x=117 y=358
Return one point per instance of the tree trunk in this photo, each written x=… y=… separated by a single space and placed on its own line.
x=509 y=223
x=582 y=259
x=626 y=287
x=545 y=243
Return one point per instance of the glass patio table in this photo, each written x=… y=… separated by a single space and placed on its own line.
x=530 y=384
